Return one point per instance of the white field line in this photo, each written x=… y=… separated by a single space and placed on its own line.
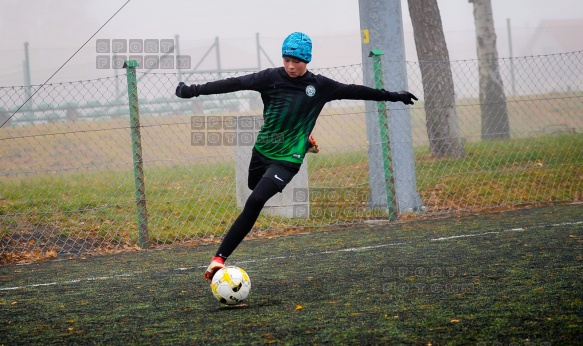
x=353 y=249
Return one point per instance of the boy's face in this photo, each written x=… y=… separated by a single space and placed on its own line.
x=294 y=67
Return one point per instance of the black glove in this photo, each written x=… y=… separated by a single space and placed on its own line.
x=402 y=96
x=185 y=91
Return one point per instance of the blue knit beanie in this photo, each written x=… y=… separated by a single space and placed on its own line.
x=297 y=45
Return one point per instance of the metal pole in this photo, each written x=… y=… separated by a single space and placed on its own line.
x=117 y=91
x=258 y=52
x=27 y=82
x=385 y=137
x=218 y=51
x=143 y=238
x=511 y=57
x=177 y=51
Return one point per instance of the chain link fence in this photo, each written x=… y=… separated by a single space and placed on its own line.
x=67 y=181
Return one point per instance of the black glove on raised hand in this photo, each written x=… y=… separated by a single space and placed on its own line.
x=186 y=91
x=402 y=96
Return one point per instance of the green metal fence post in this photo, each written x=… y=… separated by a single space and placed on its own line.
x=143 y=238
x=384 y=128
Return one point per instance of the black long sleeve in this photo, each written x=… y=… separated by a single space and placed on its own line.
x=222 y=86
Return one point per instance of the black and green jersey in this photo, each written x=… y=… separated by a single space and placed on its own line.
x=291 y=106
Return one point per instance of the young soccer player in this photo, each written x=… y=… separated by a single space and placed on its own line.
x=293 y=97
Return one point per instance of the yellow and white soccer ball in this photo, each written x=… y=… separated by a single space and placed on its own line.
x=231 y=285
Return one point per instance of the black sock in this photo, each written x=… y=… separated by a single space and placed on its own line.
x=264 y=190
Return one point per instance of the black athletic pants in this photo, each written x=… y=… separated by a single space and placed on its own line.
x=266 y=178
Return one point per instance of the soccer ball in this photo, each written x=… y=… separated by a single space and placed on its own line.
x=231 y=285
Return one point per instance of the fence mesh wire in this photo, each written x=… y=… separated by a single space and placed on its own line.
x=66 y=164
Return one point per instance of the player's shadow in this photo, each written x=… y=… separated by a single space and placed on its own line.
x=251 y=304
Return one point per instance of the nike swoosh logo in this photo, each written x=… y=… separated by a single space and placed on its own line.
x=278 y=178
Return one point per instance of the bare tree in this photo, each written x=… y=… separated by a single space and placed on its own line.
x=494 y=113
x=438 y=88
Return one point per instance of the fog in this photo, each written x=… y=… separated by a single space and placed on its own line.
x=56 y=29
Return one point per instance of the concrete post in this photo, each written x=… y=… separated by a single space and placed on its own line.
x=382 y=28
